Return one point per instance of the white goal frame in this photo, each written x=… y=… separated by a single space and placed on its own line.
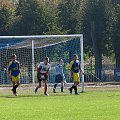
x=80 y=36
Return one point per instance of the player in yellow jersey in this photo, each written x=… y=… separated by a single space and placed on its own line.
x=14 y=73
x=75 y=70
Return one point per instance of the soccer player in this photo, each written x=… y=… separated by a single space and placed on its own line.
x=14 y=73
x=42 y=74
x=75 y=70
x=59 y=75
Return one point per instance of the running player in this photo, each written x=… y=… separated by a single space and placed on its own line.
x=14 y=73
x=75 y=70
x=42 y=74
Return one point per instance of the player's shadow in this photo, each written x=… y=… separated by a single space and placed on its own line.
x=20 y=96
x=35 y=96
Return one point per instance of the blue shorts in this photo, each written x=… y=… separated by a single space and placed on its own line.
x=58 y=78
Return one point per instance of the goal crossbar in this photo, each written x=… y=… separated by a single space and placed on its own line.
x=41 y=36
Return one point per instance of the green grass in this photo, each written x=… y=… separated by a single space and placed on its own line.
x=98 y=104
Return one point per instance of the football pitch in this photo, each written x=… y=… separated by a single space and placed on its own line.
x=94 y=104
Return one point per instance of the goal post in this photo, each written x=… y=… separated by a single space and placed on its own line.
x=33 y=66
x=38 y=46
x=82 y=62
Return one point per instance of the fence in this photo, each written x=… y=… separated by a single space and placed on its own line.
x=107 y=75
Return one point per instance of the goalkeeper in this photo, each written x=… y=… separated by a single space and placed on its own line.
x=59 y=77
x=42 y=74
x=14 y=73
x=75 y=70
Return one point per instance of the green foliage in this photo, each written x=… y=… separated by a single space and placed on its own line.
x=6 y=17
x=113 y=28
x=36 y=17
x=70 y=13
x=94 y=10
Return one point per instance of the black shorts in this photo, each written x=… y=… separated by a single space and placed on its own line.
x=58 y=78
x=41 y=76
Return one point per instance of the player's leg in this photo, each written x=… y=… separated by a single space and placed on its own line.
x=15 y=81
x=62 y=86
x=39 y=82
x=45 y=88
x=13 y=89
x=73 y=86
x=76 y=79
x=39 y=86
x=76 y=82
x=55 y=85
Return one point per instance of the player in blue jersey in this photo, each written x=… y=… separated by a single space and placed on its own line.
x=14 y=73
x=75 y=70
x=59 y=75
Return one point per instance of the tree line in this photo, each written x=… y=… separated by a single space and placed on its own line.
x=97 y=20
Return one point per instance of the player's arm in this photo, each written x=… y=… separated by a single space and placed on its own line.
x=9 y=74
x=19 y=67
x=9 y=70
x=39 y=68
x=48 y=71
x=62 y=73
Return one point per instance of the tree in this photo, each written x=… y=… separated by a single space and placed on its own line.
x=95 y=21
x=113 y=28
x=35 y=17
x=70 y=13
x=6 y=17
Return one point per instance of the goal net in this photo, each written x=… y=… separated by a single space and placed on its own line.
x=31 y=50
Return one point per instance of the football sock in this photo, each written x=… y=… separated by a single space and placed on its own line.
x=75 y=89
x=55 y=85
x=61 y=89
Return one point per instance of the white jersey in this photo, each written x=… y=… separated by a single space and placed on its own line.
x=44 y=67
x=59 y=69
